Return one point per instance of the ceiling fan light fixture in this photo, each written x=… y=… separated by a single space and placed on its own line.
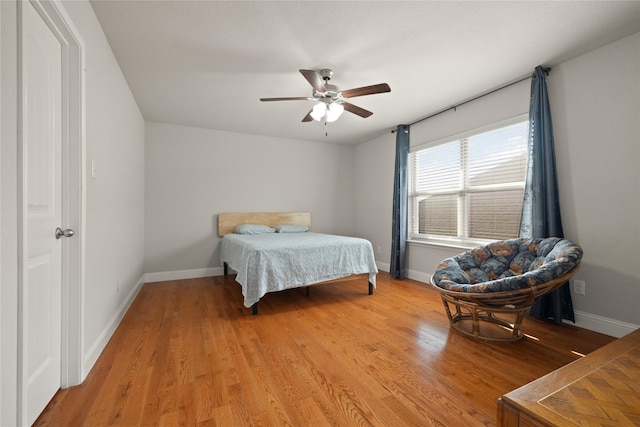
x=334 y=111
x=330 y=101
x=318 y=111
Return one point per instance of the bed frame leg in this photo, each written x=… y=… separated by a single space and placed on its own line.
x=370 y=288
x=308 y=291
x=226 y=271
x=254 y=309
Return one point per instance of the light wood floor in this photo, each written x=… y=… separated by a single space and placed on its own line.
x=189 y=353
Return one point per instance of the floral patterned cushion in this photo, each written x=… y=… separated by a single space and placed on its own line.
x=507 y=265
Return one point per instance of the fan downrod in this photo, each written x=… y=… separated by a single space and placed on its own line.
x=326 y=74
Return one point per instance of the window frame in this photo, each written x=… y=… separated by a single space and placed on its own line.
x=460 y=241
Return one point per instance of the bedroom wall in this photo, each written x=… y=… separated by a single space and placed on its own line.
x=115 y=197
x=8 y=214
x=596 y=106
x=114 y=132
x=192 y=174
x=595 y=102
x=374 y=163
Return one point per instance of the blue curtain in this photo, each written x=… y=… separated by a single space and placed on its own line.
x=400 y=195
x=541 y=205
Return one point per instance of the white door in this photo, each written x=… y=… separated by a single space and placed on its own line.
x=42 y=213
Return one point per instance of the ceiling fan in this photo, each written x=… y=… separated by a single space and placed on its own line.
x=331 y=101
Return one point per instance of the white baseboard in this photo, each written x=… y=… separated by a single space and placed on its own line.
x=383 y=266
x=604 y=325
x=419 y=276
x=96 y=349
x=196 y=273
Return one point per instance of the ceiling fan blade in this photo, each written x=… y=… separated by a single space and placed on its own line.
x=308 y=117
x=314 y=79
x=366 y=90
x=291 y=98
x=356 y=110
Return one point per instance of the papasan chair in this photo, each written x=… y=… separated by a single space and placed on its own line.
x=495 y=285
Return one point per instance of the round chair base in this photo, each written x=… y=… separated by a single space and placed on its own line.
x=499 y=313
x=485 y=323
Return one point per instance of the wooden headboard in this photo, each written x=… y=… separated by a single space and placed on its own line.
x=227 y=222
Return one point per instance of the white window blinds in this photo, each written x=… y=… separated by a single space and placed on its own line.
x=470 y=188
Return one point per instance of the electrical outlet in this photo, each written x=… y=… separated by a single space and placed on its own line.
x=579 y=287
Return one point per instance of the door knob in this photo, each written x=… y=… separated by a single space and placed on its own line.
x=60 y=233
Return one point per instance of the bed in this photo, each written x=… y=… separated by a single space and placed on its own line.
x=292 y=257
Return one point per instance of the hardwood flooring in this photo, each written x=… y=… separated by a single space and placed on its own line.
x=189 y=353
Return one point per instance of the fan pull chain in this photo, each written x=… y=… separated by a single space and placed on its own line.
x=326 y=131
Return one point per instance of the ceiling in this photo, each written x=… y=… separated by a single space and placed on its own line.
x=207 y=63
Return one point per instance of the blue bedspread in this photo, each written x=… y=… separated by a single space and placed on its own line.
x=273 y=262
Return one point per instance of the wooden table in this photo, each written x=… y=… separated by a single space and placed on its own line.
x=601 y=389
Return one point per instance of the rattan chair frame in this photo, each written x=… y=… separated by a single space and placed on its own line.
x=491 y=307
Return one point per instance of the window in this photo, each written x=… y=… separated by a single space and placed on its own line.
x=469 y=190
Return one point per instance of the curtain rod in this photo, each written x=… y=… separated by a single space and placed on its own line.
x=453 y=107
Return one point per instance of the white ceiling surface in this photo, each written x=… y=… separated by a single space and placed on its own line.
x=207 y=63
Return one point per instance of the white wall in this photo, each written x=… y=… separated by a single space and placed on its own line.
x=8 y=214
x=595 y=103
x=114 y=202
x=193 y=174
x=115 y=197
x=374 y=164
